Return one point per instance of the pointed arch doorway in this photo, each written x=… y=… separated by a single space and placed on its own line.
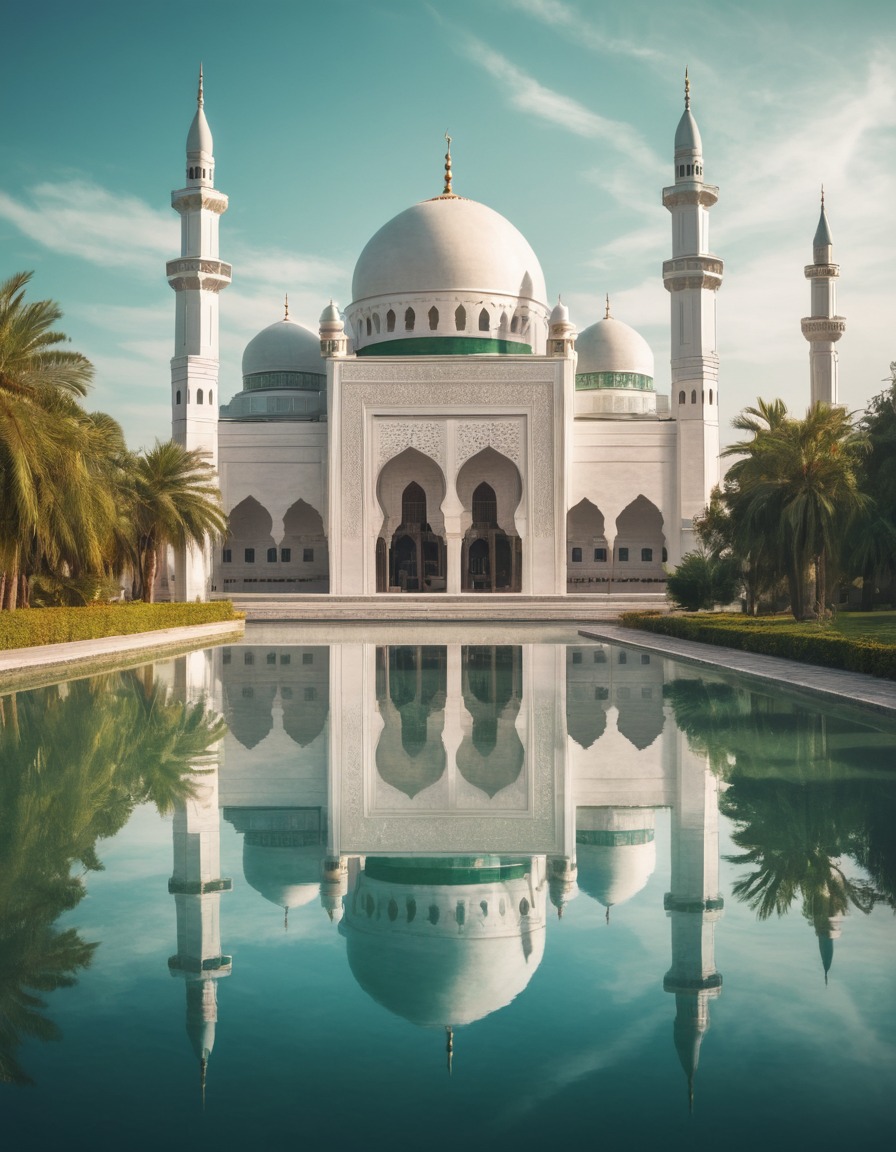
x=491 y=560
x=417 y=554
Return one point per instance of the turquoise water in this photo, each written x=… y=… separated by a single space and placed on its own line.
x=431 y=895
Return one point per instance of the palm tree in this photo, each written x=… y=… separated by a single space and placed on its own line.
x=796 y=489
x=177 y=502
x=34 y=373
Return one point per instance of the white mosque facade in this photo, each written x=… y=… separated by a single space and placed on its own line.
x=451 y=432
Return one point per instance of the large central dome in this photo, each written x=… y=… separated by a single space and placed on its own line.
x=448 y=275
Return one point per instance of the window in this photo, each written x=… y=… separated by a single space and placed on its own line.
x=376 y=323
x=307 y=657
x=484 y=322
x=227 y=555
x=307 y=555
x=285 y=555
x=485 y=506
x=600 y=657
x=577 y=555
x=623 y=555
x=646 y=554
x=210 y=395
x=272 y=555
x=577 y=657
x=409 y=320
x=515 y=324
x=460 y=318
x=284 y=658
x=248 y=657
x=369 y=329
x=310 y=694
x=682 y=398
x=271 y=658
x=601 y=693
x=623 y=658
x=248 y=693
x=286 y=692
x=390 y=321
x=710 y=395
x=646 y=693
x=227 y=656
x=177 y=396
x=249 y=555
x=600 y=555
x=623 y=693
x=694 y=396
x=645 y=657
x=665 y=555
x=199 y=396
x=433 y=318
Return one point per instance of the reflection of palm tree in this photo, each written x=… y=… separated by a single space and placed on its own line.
x=75 y=763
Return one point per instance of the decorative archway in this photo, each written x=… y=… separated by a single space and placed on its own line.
x=304 y=560
x=587 y=551
x=410 y=548
x=490 y=487
x=639 y=549
x=246 y=552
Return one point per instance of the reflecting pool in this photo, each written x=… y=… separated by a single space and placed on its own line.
x=396 y=889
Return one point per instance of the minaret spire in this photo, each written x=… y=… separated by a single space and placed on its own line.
x=607 y=313
x=824 y=327
x=200 y=98
x=687 y=90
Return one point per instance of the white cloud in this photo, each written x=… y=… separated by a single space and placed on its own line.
x=569 y=20
x=527 y=94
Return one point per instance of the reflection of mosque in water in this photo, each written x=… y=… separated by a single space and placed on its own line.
x=434 y=799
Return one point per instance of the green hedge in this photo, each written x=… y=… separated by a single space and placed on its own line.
x=774 y=636
x=26 y=627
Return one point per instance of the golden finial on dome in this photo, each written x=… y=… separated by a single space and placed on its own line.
x=687 y=89
x=285 y=305
x=822 y=197
x=447 y=189
x=200 y=99
x=607 y=312
x=449 y=1046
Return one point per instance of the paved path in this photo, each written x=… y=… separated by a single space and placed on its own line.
x=50 y=662
x=844 y=687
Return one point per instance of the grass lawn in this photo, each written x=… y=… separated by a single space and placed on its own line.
x=879 y=626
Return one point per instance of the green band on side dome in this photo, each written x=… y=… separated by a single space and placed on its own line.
x=593 y=381
x=446 y=346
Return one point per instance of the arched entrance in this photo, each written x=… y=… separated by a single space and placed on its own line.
x=640 y=547
x=588 y=559
x=410 y=551
x=491 y=557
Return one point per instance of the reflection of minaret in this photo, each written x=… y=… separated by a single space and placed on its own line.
x=196 y=885
x=693 y=905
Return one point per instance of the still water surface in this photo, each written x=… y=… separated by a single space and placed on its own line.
x=383 y=893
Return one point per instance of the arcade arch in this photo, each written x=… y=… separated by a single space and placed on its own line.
x=489 y=487
x=410 y=547
x=587 y=550
x=640 y=546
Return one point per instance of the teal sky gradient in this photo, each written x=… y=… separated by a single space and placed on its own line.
x=328 y=120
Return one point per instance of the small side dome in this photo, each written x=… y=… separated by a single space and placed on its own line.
x=560 y=315
x=288 y=877
x=611 y=347
x=282 y=347
x=330 y=314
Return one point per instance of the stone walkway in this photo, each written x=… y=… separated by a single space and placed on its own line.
x=46 y=663
x=843 y=687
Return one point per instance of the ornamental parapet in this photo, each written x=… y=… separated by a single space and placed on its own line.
x=693 y=272
x=823 y=327
x=696 y=193
x=198 y=272
x=822 y=271
x=193 y=199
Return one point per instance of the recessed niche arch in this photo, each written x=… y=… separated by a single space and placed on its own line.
x=491 y=755
x=304 y=552
x=411 y=690
x=249 y=537
x=639 y=544
x=410 y=491
x=490 y=487
x=587 y=549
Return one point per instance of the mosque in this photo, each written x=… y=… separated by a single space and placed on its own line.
x=450 y=432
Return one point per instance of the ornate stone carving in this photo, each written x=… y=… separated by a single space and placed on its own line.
x=396 y=435
x=502 y=435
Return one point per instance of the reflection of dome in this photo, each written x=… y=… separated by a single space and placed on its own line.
x=449 y=244
x=282 y=347
x=288 y=877
x=444 y=954
x=611 y=346
x=615 y=852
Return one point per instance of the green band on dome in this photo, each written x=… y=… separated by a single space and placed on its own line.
x=446 y=346
x=444 y=870
x=298 y=381
x=592 y=381
x=607 y=839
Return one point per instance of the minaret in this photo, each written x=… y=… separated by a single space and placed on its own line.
x=823 y=328
x=693 y=905
x=197 y=278
x=693 y=277
x=196 y=885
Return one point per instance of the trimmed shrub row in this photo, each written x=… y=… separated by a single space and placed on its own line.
x=26 y=627
x=773 y=636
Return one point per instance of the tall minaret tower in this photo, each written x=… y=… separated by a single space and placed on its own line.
x=693 y=905
x=823 y=328
x=197 y=278
x=693 y=277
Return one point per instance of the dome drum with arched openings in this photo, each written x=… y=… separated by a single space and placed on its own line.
x=448 y=276
x=614 y=373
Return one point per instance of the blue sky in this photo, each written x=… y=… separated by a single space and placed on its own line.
x=328 y=120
